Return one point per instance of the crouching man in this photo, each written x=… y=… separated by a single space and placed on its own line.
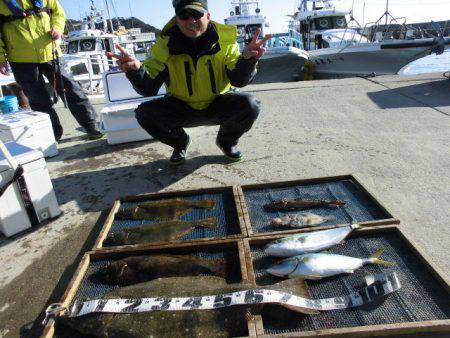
x=198 y=60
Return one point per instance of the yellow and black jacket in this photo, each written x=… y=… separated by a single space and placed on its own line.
x=28 y=39
x=194 y=71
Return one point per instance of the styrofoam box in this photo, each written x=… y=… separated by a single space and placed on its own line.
x=13 y=215
x=31 y=129
x=117 y=118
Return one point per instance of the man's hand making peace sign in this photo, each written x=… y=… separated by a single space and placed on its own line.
x=255 y=48
x=124 y=61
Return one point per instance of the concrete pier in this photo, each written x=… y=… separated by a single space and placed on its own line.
x=392 y=132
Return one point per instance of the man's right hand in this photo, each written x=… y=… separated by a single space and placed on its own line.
x=124 y=61
x=4 y=68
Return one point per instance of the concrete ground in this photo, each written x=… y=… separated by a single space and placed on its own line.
x=392 y=132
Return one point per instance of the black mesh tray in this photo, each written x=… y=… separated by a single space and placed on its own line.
x=88 y=287
x=361 y=207
x=422 y=298
x=227 y=211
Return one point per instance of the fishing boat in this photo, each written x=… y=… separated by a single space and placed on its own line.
x=85 y=49
x=337 y=46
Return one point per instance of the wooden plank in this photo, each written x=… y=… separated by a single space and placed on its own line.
x=243 y=261
x=174 y=194
x=245 y=213
x=296 y=182
x=69 y=294
x=194 y=242
x=414 y=328
x=239 y=210
x=108 y=223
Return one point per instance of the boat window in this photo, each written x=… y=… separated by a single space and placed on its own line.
x=323 y=23
x=79 y=69
x=88 y=45
x=73 y=47
x=339 y=22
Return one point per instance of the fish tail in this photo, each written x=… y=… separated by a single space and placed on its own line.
x=207 y=223
x=329 y=218
x=219 y=268
x=206 y=204
x=375 y=259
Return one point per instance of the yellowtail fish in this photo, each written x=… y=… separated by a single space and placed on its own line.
x=308 y=242
x=225 y=322
x=302 y=220
x=157 y=232
x=300 y=204
x=321 y=265
x=139 y=269
x=167 y=209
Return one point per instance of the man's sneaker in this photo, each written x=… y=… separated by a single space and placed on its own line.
x=58 y=132
x=179 y=154
x=93 y=133
x=230 y=152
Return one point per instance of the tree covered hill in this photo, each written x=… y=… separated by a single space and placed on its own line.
x=127 y=22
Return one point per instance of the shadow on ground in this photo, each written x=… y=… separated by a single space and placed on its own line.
x=34 y=329
x=433 y=94
x=96 y=190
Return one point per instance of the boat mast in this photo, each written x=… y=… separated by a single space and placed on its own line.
x=111 y=27
x=387 y=11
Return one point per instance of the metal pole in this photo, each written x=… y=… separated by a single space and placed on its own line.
x=109 y=17
x=387 y=11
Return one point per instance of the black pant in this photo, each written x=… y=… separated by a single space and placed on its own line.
x=30 y=76
x=164 y=118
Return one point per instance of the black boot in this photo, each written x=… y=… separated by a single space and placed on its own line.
x=230 y=152
x=58 y=132
x=179 y=153
x=92 y=132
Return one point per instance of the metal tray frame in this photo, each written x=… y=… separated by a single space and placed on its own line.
x=397 y=329
x=246 y=215
x=122 y=252
x=173 y=194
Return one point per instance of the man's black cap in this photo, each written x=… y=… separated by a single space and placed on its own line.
x=200 y=6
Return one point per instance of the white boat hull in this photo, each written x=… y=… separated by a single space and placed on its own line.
x=366 y=59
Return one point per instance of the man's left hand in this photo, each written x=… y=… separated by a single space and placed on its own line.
x=56 y=34
x=255 y=48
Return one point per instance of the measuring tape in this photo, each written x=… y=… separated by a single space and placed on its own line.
x=376 y=287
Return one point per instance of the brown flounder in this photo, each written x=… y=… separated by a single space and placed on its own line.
x=167 y=209
x=133 y=270
x=157 y=232
x=223 y=322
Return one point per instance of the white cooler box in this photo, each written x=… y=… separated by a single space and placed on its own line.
x=13 y=212
x=31 y=129
x=117 y=118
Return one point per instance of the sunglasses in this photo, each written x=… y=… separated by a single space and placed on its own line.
x=187 y=14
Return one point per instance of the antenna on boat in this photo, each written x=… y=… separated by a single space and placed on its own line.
x=111 y=27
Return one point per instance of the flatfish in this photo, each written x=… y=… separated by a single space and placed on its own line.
x=167 y=209
x=157 y=232
x=224 y=322
x=138 y=269
x=302 y=220
x=321 y=265
x=300 y=204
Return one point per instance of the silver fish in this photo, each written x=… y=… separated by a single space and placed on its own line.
x=308 y=242
x=321 y=265
x=301 y=220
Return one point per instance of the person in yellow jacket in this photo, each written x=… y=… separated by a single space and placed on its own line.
x=198 y=60
x=30 y=33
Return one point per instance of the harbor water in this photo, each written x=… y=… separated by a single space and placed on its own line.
x=429 y=64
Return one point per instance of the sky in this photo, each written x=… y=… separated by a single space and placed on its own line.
x=158 y=12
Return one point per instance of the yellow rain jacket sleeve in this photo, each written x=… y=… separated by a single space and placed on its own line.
x=29 y=39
